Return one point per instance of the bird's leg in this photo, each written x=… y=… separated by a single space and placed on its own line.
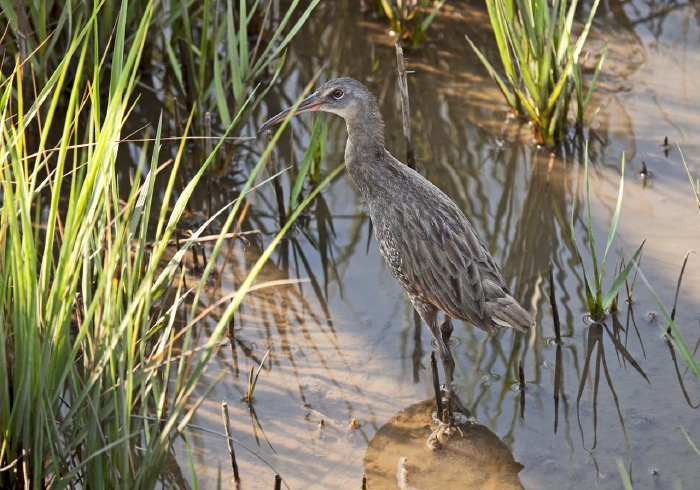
x=441 y=333
x=448 y=364
x=446 y=329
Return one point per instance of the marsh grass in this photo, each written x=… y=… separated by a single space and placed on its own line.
x=599 y=301
x=409 y=18
x=215 y=53
x=540 y=58
x=96 y=376
x=310 y=163
x=39 y=32
x=253 y=379
x=212 y=58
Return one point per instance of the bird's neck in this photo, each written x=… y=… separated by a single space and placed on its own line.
x=365 y=141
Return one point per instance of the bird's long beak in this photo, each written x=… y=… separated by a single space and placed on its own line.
x=309 y=104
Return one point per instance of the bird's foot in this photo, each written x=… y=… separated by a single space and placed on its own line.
x=442 y=429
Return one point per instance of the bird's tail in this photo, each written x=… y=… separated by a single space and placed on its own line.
x=507 y=312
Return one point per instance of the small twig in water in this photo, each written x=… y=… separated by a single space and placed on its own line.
x=213 y=238
x=209 y=431
x=234 y=465
x=406 y=111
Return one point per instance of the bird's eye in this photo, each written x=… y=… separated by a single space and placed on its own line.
x=338 y=94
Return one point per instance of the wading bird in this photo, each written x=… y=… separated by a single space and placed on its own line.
x=431 y=248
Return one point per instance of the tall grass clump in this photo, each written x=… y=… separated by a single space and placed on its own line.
x=542 y=76
x=92 y=390
x=598 y=299
x=213 y=53
x=38 y=33
x=211 y=56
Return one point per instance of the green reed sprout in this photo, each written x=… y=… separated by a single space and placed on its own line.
x=541 y=62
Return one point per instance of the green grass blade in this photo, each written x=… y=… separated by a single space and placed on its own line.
x=590 y=290
x=624 y=476
x=555 y=96
x=690 y=441
x=586 y=29
x=257 y=373
x=504 y=89
x=597 y=279
x=243 y=40
x=431 y=16
x=696 y=189
x=616 y=214
x=620 y=279
x=175 y=65
x=499 y=21
x=221 y=99
x=594 y=82
x=314 y=142
x=205 y=46
x=675 y=337
x=269 y=53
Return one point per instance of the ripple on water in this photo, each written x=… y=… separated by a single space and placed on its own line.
x=453 y=342
x=551 y=342
x=490 y=378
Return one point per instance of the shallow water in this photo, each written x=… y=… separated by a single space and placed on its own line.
x=345 y=343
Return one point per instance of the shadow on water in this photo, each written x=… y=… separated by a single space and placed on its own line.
x=344 y=340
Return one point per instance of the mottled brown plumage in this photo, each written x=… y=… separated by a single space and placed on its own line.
x=429 y=245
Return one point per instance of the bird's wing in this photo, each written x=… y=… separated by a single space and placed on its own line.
x=434 y=252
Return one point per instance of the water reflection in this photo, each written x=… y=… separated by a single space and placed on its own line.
x=474 y=457
x=345 y=343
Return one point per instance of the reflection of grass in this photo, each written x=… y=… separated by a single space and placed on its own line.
x=91 y=389
x=541 y=63
x=408 y=19
x=598 y=303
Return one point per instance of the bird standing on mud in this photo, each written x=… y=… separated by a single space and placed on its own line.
x=429 y=245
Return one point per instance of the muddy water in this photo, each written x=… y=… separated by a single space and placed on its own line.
x=345 y=343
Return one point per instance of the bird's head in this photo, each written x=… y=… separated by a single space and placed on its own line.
x=345 y=97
